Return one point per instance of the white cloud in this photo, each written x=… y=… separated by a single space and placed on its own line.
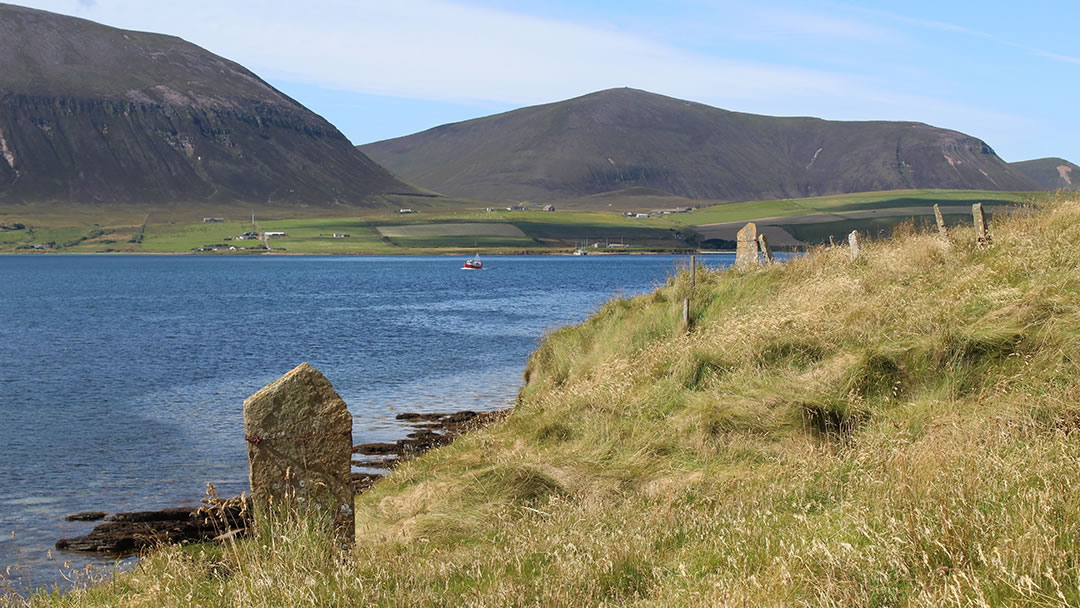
x=435 y=49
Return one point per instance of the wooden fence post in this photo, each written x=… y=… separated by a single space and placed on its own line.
x=982 y=234
x=940 y=222
x=763 y=243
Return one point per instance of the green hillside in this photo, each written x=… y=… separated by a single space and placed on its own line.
x=625 y=139
x=897 y=430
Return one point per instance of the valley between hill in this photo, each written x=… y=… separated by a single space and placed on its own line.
x=439 y=225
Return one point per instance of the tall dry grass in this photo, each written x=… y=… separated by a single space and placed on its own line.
x=899 y=430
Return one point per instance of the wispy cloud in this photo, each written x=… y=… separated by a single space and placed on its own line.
x=1055 y=56
x=826 y=27
x=916 y=21
x=438 y=49
x=959 y=29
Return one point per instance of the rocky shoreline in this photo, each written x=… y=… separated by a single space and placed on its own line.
x=129 y=533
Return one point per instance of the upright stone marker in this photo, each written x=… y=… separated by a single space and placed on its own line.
x=765 y=249
x=746 y=250
x=853 y=243
x=982 y=235
x=940 y=222
x=299 y=435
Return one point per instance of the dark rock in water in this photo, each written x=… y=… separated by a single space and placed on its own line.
x=376 y=449
x=460 y=417
x=177 y=514
x=87 y=516
x=419 y=417
x=127 y=533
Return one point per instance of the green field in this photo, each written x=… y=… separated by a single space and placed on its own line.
x=451 y=225
x=730 y=212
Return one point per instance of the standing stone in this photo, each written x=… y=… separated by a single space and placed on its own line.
x=763 y=243
x=982 y=234
x=299 y=434
x=940 y=222
x=746 y=251
x=853 y=243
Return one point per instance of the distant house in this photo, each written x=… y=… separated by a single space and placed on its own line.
x=406 y=211
x=642 y=215
x=212 y=220
x=274 y=234
x=549 y=207
x=340 y=235
x=670 y=211
x=517 y=208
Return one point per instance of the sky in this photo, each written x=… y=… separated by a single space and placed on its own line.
x=1005 y=72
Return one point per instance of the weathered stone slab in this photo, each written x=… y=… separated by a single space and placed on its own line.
x=853 y=243
x=746 y=249
x=766 y=251
x=982 y=234
x=299 y=434
x=940 y=221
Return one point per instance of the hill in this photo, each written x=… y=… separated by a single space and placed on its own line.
x=94 y=114
x=897 y=430
x=1050 y=173
x=625 y=138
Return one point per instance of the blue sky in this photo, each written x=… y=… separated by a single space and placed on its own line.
x=1008 y=73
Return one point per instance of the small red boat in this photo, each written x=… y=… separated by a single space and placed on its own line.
x=473 y=263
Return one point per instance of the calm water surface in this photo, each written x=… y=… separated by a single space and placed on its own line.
x=122 y=378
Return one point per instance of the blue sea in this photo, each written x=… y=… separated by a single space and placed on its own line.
x=122 y=378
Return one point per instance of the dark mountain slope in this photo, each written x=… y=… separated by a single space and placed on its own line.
x=1050 y=173
x=90 y=113
x=623 y=138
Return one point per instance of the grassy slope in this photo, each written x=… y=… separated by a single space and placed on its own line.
x=897 y=430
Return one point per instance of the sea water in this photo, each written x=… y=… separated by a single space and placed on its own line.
x=122 y=378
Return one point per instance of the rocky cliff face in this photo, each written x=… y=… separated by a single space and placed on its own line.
x=90 y=113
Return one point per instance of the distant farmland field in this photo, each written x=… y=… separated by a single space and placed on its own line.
x=456 y=229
